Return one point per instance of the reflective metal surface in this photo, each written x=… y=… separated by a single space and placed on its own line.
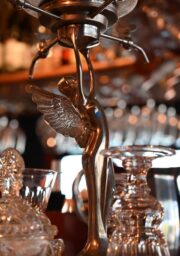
x=76 y=112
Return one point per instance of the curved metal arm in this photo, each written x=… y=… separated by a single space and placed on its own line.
x=23 y=4
x=41 y=54
x=77 y=200
x=101 y=8
x=127 y=43
x=85 y=53
x=82 y=98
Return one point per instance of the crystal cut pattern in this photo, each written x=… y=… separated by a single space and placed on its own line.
x=136 y=215
x=23 y=231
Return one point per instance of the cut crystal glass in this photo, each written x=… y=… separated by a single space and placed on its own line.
x=136 y=215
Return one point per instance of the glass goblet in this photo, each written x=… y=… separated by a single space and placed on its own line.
x=138 y=214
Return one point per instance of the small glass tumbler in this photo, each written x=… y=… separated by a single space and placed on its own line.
x=37 y=185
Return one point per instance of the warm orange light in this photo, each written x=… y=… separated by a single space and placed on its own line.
x=178 y=125
x=160 y=23
x=132 y=119
x=171 y=81
x=41 y=29
x=104 y=79
x=162 y=118
x=173 y=121
x=51 y=142
x=170 y=94
x=146 y=111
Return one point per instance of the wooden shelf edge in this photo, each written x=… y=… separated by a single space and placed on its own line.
x=22 y=76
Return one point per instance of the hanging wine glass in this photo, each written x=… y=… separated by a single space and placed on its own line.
x=138 y=214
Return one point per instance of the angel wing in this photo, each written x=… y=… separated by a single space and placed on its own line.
x=61 y=114
x=125 y=7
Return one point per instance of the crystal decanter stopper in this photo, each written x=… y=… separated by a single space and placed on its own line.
x=11 y=166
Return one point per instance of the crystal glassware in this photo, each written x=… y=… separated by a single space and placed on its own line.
x=37 y=185
x=22 y=230
x=138 y=214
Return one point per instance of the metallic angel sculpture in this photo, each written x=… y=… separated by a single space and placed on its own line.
x=86 y=123
x=75 y=111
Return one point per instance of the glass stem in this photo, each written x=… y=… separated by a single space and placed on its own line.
x=140 y=212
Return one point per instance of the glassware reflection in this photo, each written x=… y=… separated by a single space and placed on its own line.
x=166 y=193
x=23 y=230
x=145 y=125
x=58 y=246
x=139 y=214
x=37 y=185
x=11 y=134
x=163 y=179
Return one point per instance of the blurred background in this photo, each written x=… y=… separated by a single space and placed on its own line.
x=141 y=101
